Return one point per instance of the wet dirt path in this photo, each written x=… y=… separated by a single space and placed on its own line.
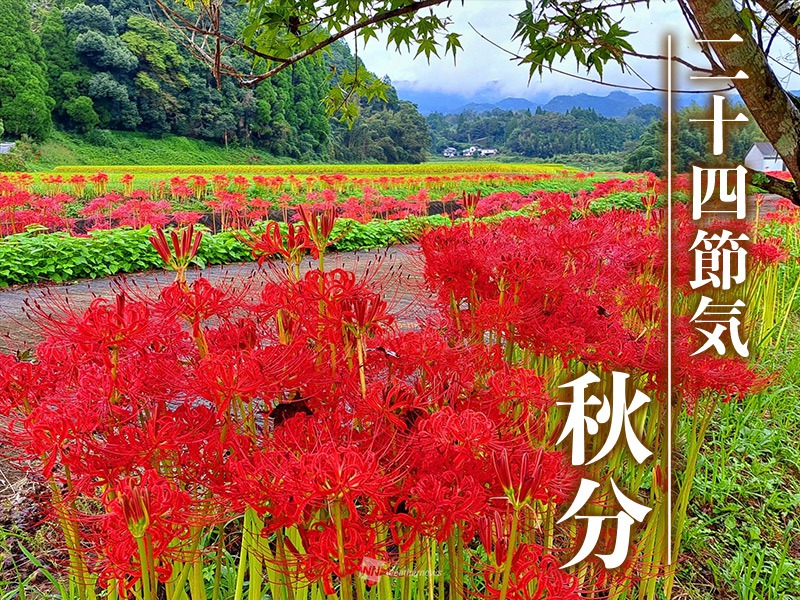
x=397 y=271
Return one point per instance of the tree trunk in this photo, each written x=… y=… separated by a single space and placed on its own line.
x=772 y=107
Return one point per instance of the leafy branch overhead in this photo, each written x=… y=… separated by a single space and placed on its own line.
x=279 y=33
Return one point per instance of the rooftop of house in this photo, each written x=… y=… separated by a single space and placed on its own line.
x=766 y=149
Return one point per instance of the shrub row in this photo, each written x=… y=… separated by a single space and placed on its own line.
x=35 y=257
x=59 y=257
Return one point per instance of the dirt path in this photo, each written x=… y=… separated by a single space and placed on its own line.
x=397 y=271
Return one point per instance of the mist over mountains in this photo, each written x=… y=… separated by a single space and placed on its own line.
x=615 y=104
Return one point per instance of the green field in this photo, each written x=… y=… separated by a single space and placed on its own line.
x=127 y=148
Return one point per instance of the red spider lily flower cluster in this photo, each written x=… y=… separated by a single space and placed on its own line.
x=329 y=435
x=237 y=202
x=184 y=248
x=573 y=290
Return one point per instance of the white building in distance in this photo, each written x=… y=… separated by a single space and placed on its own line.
x=763 y=157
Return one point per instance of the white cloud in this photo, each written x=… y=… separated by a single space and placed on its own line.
x=482 y=69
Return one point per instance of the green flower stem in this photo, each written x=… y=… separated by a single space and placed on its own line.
x=346 y=590
x=701 y=418
x=144 y=564
x=512 y=542
x=220 y=550
x=243 y=555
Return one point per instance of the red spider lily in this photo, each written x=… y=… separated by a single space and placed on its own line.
x=440 y=502
x=462 y=439
x=100 y=181
x=78 y=184
x=537 y=575
x=695 y=376
x=184 y=249
x=180 y=192
x=470 y=202
x=184 y=218
x=197 y=303
x=522 y=488
x=319 y=227
x=271 y=242
x=365 y=312
x=785 y=212
x=54 y=181
x=360 y=541
x=162 y=520
x=259 y=209
x=159 y=420
x=220 y=182
x=137 y=213
x=230 y=206
x=769 y=251
x=199 y=185
x=268 y=375
x=339 y=473
x=134 y=503
x=127 y=183
x=103 y=325
x=397 y=405
x=241 y=183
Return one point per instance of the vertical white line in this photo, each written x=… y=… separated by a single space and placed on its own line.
x=669 y=299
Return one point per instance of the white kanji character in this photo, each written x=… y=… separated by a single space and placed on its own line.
x=713 y=260
x=731 y=324
x=631 y=512
x=726 y=195
x=717 y=119
x=617 y=413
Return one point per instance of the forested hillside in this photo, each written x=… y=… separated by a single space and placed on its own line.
x=692 y=144
x=635 y=142
x=540 y=133
x=101 y=65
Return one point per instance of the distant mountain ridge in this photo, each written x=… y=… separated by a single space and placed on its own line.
x=615 y=104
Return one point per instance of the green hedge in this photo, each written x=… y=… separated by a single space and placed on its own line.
x=626 y=200
x=34 y=257
x=30 y=257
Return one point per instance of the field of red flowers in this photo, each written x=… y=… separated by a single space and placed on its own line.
x=59 y=229
x=80 y=203
x=193 y=444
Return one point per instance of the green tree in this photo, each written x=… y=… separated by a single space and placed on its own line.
x=112 y=102
x=160 y=77
x=25 y=106
x=61 y=63
x=82 y=18
x=692 y=143
x=81 y=113
x=540 y=134
x=107 y=59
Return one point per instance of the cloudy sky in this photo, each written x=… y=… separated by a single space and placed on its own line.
x=485 y=72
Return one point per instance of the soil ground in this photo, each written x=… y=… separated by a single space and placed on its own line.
x=397 y=271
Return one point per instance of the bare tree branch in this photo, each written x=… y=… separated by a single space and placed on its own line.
x=175 y=17
x=777 y=186
x=786 y=14
x=251 y=79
